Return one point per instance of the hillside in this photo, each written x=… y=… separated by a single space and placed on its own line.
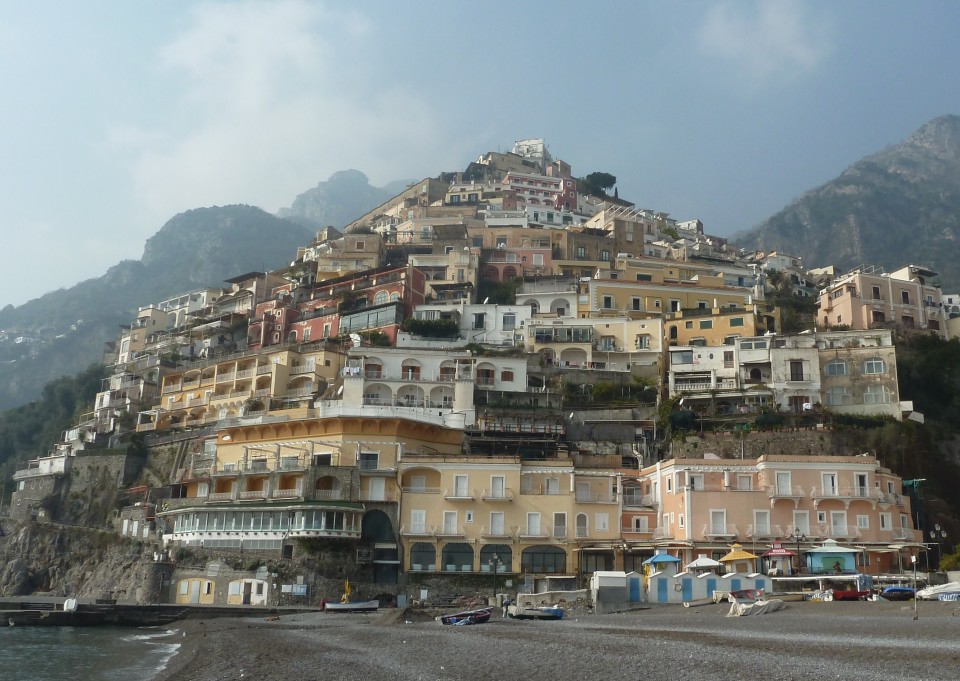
x=896 y=207
x=198 y=248
x=344 y=196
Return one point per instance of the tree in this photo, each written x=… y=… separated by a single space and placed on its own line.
x=596 y=183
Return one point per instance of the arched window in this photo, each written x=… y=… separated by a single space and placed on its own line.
x=838 y=396
x=836 y=368
x=874 y=365
x=582 y=529
x=381 y=298
x=394 y=297
x=877 y=394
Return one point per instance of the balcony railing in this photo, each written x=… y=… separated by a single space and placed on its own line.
x=450 y=531
x=728 y=530
x=503 y=531
x=287 y=493
x=765 y=531
x=832 y=531
x=421 y=490
x=595 y=498
x=534 y=531
x=458 y=495
x=497 y=495
x=785 y=492
x=418 y=530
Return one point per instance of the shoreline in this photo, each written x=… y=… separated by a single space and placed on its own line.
x=850 y=640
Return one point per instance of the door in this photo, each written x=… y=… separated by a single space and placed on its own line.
x=247 y=592
x=861 y=486
x=838 y=523
x=583 y=492
x=829 y=484
x=496 y=524
x=497 y=487
x=718 y=522
x=533 y=524
x=194 y=592
x=460 y=486
x=783 y=483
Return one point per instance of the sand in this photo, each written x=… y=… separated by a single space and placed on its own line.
x=805 y=640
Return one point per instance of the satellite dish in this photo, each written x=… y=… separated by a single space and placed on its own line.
x=486 y=299
x=355 y=337
x=340 y=391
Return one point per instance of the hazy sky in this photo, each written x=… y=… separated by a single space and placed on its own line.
x=117 y=115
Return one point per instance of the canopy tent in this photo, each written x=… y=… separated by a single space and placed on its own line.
x=833 y=557
x=661 y=558
x=702 y=564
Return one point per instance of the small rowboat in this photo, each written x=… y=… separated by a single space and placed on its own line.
x=465 y=617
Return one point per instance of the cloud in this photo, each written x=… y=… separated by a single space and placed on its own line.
x=271 y=98
x=767 y=39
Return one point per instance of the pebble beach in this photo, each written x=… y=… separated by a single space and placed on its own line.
x=805 y=640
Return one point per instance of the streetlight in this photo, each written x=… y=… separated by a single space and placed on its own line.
x=798 y=537
x=494 y=564
x=937 y=534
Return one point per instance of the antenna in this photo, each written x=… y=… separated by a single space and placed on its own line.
x=486 y=299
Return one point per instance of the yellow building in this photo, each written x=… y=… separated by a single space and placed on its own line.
x=204 y=391
x=713 y=326
x=469 y=515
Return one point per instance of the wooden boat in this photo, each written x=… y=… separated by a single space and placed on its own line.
x=543 y=612
x=478 y=616
x=352 y=606
x=851 y=595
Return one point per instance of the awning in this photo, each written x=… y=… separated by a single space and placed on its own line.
x=703 y=562
x=831 y=546
x=737 y=553
x=661 y=558
x=778 y=552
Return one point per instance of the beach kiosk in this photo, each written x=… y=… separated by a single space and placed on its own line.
x=779 y=560
x=833 y=558
x=660 y=572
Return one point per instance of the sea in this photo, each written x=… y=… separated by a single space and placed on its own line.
x=88 y=653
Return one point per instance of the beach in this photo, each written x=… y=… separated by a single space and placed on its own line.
x=805 y=640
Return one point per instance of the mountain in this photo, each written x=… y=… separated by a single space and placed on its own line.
x=64 y=331
x=899 y=206
x=346 y=195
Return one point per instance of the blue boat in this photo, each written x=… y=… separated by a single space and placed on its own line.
x=897 y=593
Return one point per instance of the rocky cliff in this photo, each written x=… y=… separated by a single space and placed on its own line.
x=71 y=561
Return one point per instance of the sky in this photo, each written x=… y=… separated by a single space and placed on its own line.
x=115 y=115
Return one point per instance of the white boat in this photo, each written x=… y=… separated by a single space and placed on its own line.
x=543 y=612
x=352 y=606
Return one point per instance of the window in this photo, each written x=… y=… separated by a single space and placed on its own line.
x=418 y=521
x=836 y=367
x=728 y=359
x=640 y=523
x=608 y=302
x=863 y=522
x=681 y=357
x=838 y=396
x=559 y=525
x=796 y=370
x=359 y=246
x=581 y=253
x=506 y=376
x=801 y=521
x=876 y=293
x=701 y=305
x=479 y=320
x=601 y=521
x=688 y=325
x=736 y=321
x=501 y=242
x=885 y=521
x=674 y=305
x=450 y=522
x=706 y=323
x=761 y=523
x=368 y=461
x=605 y=256
x=460 y=486
x=636 y=303
x=874 y=365
x=877 y=394
x=538 y=259
x=905 y=297
x=509 y=321
x=644 y=277
x=381 y=298
x=496 y=523
x=907 y=321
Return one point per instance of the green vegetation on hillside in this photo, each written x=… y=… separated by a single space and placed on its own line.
x=31 y=430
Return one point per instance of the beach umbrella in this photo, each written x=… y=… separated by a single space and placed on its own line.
x=702 y=563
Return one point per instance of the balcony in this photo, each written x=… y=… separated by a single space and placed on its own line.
x=663 y=533
x=383 y=497
x=421 y=490
x=534 y=532
x=497 y=495
x=765 y=531
x=249 y=495
x=720 y=531
x=831 y=531
x=450 y=531
x=775 y=492
x=595 y=498
x=458 y=495
x=417 y=530
x=294 y=493
x=502 y=532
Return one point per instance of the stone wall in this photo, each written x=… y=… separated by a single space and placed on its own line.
x=753 y=444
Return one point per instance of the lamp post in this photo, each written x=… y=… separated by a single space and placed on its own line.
x=938 y=534
x=494 y=565
x=798 y=537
